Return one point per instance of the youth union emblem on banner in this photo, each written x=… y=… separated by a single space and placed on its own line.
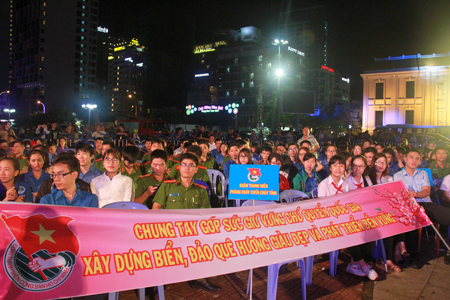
x=254 y=174
x=42 y=255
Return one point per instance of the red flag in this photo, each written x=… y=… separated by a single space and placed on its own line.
x=37 y=232
x=255 y=172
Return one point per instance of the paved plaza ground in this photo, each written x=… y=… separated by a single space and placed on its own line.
x=430 y=282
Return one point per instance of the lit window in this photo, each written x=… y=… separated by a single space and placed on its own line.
x=82 y=22
x=82 y=37
x=84 y=7
x=252 y=75
x=203 y=61
x=243 y=84
x=42 y=58
x=112 y=99
x=243 y=100
x=83 y=14
x=260 y=58
x=82 y=29
x=112 y=104
x=251 y=84
x=228 y=93
x=234 y=93
x=228 y=70
x=82 y=53
x=112 y=109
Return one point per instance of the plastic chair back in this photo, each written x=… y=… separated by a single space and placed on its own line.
x=125 y=205
x=257 y=202
x=314 y=193
x=217 y=177
x=132 y=205
x=437 y=182
x=292 y=196
x=430 y=176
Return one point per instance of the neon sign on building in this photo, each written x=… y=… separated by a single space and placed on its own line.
x=296 y=51
x=328 y=69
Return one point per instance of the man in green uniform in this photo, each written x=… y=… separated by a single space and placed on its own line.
x=147 y=185
x=201 y=174
x=18 y=149
x=439 y=167
x=130 y=167
x=98 y=148
x=154 y=144
x=98 y=163
x=205 y=159
x=184 y=193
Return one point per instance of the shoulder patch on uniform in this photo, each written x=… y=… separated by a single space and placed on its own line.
x=147 y=154
x=177 y=155
x=170 y=181
x=177 y=168
x=98 y=159
x=146 y=175
x=200 y=185
x=170 y=158
x=146 y=163
x=201 y=167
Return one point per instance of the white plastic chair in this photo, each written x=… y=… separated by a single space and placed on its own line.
x=314 y=193
x=292 y=196
x=217 y=177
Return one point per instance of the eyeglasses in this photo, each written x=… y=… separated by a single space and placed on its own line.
x=380 y=163
x=292 y=149
x=358 y=167
x=188 y=166
x=243 y=156
x=59 y=175
x=111 y=160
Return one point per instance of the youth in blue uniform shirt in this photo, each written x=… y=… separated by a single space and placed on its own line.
x=65 y=171
x=85 y=154
x=10 y=190
x=36 y=175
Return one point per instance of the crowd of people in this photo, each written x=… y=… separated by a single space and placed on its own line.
x=171 y=173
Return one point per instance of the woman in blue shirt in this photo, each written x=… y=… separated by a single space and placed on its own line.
x=36 y=175
x=10 y=189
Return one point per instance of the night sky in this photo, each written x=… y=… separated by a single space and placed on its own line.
x=364 y=29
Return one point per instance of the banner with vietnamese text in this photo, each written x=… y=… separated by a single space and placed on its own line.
x=52 y=252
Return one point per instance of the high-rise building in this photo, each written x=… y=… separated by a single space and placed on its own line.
x=240 y=66
x=53 y=53
x=311 y=30
x=126 y=79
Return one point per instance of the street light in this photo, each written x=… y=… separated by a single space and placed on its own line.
x=89 y=107
x=4 y=92
x=9 y=111
x=43 y=106
x=279 y=72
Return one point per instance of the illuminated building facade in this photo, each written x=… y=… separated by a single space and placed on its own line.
x=409 y=89
x=125 y=79
x=239 y=66
x=53 y=53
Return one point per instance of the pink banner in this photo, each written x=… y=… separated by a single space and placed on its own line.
x=58 y=252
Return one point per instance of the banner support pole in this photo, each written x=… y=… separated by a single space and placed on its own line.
x=440 y=236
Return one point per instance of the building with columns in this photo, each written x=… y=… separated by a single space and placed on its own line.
x=408 y=89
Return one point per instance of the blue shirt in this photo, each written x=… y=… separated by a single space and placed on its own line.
x=298 y=165
x=325 y=172
x=219 y=158
x=90 y=174
x=311 y=183
x=415 y=182
x=81 y=199
x=393 y=168
x=214 y=153
x=22 y=190
x=226 y=167
x=256 y=157
x=33 y=183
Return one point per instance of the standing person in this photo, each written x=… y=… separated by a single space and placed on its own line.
x=64 y=174
x=36 y=174
x=85 y=155
x=3 y=133
x=112 y=186
x=10 y=188
x=307 y=179
x=147 y=185
x=52 y=152
x=202 y=134
x=172 y=193
x=10 y=130
x=307 y=136
x=54 y=132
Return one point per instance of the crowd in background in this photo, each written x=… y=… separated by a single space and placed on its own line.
x=39 y=166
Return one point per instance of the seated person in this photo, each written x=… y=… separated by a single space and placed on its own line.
x=418 y=185
x=440 y=167
x=36 y=176
x=112 y=186
x=307 y=179
x=65 y=172
x=234 y=159
x=444 y=191
x=222 y=154
x=266 y=150
x=206 y=160
x=85 y=155
x=10 y=188
x=201 y=173
x=276 y=160
x=130 y=166
x=147 y=185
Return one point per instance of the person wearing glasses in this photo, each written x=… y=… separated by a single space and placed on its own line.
x=67 y=192
x=356 y=180
x=112 y=186
x=184 y=193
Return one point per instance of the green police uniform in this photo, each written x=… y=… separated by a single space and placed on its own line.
x=170 y=163
x=173 y=195
x=201 y=174
x=227 y=158
x=98 y=163
x=210 y=163
x=145 y=158
x=176 y=159
x=143 y=182
x=439 y=172
x=136 y=171
x=23 y=162
x=97 y=155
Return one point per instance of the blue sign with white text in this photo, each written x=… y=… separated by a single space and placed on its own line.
x=255 y=182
